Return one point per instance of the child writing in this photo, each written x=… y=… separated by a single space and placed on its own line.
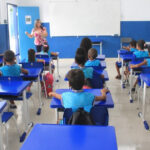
x=132 y=48
x=92 y=54
x=78 y=98
x=11 y=69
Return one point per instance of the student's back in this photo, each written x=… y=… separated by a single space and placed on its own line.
x=141 y=54
x=78 y=99
x=93 y=63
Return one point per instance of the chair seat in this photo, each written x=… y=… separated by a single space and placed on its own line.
x=6 y=116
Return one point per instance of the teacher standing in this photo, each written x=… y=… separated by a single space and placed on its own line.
x=39 y=33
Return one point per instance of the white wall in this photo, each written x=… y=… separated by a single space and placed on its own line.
x=131 y=10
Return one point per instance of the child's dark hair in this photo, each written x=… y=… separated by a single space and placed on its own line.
x=92 y=53
x=141 y=44
x=80 y=57
x=9 y=56
x=133 y=43
x=149 y=49
x=76 y=79
x=31 y=55
x=46 y=47
x=86 y=44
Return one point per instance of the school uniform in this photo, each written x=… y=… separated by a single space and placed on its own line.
x=141 y=54
x=92 y=63
x=78 y=99
x=10 y=70
x=148 y=62
x=133 y=50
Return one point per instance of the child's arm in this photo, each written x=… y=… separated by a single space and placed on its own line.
x=53 y=94
x=24 y=71
x=126 y=48
x=138 y=65
x=41 y=60
x=102 y=76
x=53 y=53
x=103 y=96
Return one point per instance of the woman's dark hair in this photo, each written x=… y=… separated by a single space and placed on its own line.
x=92 y=53
x=46 y=47
x=31 y=55
x=133 y=43
x=86 y=44
x=141 y=44
x=80 y=57
x=76 y=79
x=9 y=56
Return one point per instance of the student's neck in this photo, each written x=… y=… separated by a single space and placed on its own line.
x=141 y=49
x=91 y=59
x=9 y=64
x=77 y=90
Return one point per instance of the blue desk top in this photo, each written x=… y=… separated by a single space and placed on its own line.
x=13 y=88
x=101 y=57
x=47 y=60
x=146 y=78
x=32 y=72
x=55 y=103
x=124 y=52
x=2 y=105
x=127 y=57
x=65 y=137
x=103 y=64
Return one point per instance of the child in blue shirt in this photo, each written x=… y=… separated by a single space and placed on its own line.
x=80 y=60
x=77 y=97
x=92 y=54
x=141 y=54
x=132 y=48
x=11 y=69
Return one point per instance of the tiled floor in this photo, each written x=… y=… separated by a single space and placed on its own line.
x=131 y=134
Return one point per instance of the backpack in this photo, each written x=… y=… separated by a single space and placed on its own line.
x=48 y=79
x=80 y=117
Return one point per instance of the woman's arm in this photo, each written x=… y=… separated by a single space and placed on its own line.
x=44 y=33
x=29 y=35
x=53 y=94
x=103 y=96
x=138 y=65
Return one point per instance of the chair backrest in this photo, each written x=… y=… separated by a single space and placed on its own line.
x=33 y=65
x=126 y=40
x=96 y=82
x=40 y=56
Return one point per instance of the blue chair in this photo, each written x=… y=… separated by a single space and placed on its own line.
x=99 y=115
x=5 y=117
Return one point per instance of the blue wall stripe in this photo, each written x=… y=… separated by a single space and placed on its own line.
x=68 y=45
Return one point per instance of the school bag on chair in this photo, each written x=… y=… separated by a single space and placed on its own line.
x=80 y=117
x=48 y=79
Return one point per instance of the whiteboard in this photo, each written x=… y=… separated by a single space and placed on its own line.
x=80 y=17
x=85 y=17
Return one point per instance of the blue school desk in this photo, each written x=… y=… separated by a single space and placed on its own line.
x=101 y=57
x=103 y=65
x=16 y=88
x=2 y=105
x=65 y=137
x=98 y=43
x=34 y=74
x=145 y=78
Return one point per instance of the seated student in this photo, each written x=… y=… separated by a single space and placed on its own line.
x=145 y=62
x=86 y=44
x=46 y=50
x=92 y=54
x=78 y=98
x=80 y=60
x=132 y=48
x=11 y=69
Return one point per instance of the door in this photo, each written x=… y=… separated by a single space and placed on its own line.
x=13 y=28
x=26 y=18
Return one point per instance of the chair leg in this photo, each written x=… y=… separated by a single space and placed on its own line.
x=44 y=86
x=17 y=128
x=6 y=133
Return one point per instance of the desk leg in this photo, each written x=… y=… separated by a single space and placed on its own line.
x=57 y=114
x=130 y=92
x=39 y=97
x=122 y=75
x=58 y=75
x=139 y=91
x=28 y=124
x=142 y=115
x=101 y=48
x=1 y=134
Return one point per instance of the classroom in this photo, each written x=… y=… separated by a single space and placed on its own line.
x=74 y=75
